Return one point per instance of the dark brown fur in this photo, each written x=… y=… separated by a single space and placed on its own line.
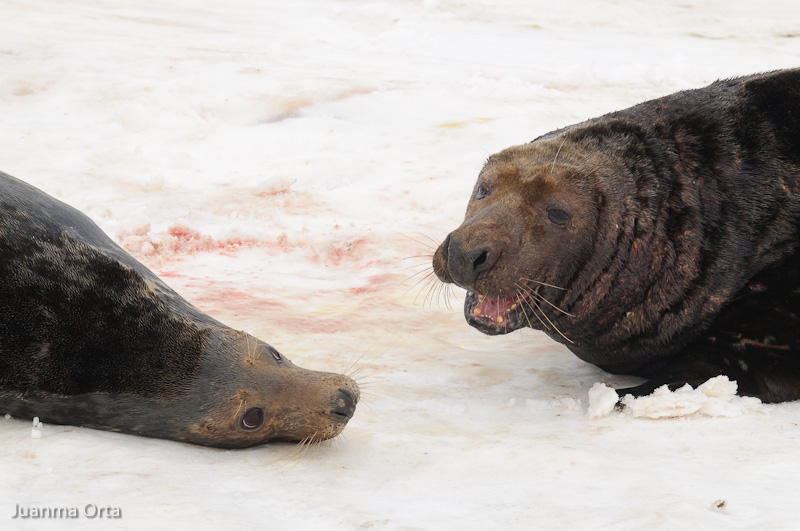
x=660 y=241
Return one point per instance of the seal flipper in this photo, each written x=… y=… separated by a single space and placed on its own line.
x=755 y=341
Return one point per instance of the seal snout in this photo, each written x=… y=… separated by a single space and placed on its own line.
x=345 y=405
x=466 y=262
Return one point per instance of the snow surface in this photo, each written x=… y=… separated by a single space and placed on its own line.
x=289 y=167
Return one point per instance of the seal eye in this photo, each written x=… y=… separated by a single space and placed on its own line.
x=558 y=216
x=481 y=191
x=253 y=418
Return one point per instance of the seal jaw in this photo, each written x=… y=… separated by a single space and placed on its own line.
x=495 y=315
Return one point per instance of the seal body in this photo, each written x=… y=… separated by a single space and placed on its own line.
x=660 y=241
x=91 y=337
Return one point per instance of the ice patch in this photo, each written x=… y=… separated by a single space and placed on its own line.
x=714 y=398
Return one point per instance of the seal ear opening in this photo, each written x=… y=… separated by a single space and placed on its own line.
x=253 y=418
x=275 y=354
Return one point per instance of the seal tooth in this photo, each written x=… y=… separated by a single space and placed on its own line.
x=499 y=318
x=513 y=307
x=476 y=311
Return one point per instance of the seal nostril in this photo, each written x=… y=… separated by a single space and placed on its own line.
x=342 y=416
x=445 y=248
x=350 y=399
x=345 y=407
x=464 y=265
x=480 y=260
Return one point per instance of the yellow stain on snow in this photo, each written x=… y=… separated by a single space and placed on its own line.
x=328 y=310
x=462 y=123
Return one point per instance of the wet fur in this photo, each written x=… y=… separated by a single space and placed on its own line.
x=681 y=261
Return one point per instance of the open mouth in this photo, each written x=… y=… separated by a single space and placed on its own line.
x=496 y=315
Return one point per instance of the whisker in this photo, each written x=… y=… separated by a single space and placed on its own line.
x=552 y=166
x=533 y=307
x=523 y=302
x=253 y=352
x=443 y=294
x=316 y=446
x=436 y=291
x=358 y=373
x=522 y=306
x=447 y=292
x=367 y=386
x=337 y=441
x=355 y=369
x=433 y=285
x=309 y=444
x=240 y=409
x=366 y=393
x=543 y=299
x=352 y=363
x=426 y=279
x=432 y=289
x=291 y=454
x=450 y=292
x=435 y=243
x=430 y=284
x=551 y=322
x=431 y=296
x=545 y=284
x=423 y=269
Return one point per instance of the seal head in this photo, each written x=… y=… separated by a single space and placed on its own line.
x=529 y=226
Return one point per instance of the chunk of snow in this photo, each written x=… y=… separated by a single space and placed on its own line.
x=36 y=430
x=714 y=398
x=602 y=400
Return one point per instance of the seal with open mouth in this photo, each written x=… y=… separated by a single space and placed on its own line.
x=91 y=337
x=660 y=241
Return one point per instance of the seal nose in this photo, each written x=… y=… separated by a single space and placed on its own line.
x=464 y=265
x=345 y=406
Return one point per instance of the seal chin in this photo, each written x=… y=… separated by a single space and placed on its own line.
x=495 y=315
